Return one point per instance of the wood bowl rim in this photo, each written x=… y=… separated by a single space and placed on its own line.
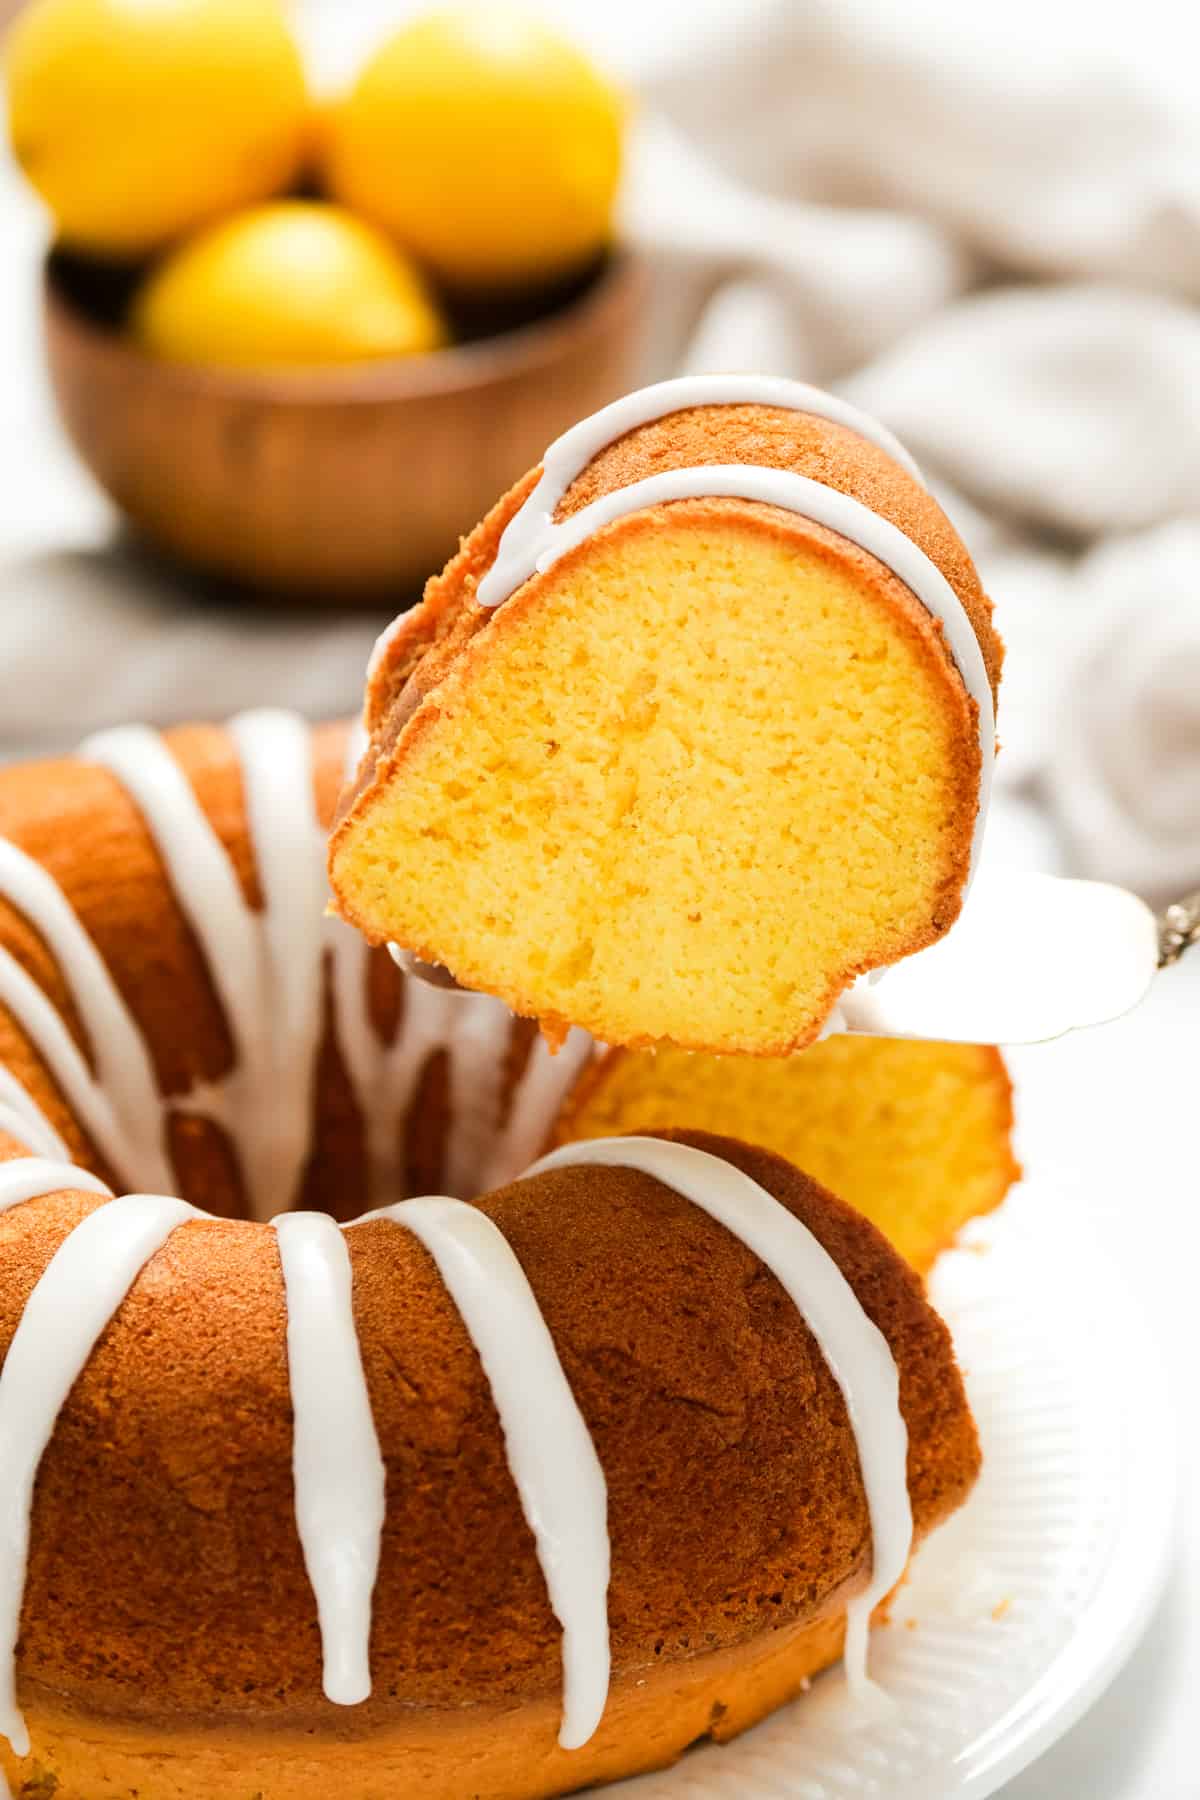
x=456 y=369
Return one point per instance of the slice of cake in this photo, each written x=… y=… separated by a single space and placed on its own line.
x=695 y=729
x=916 y=1136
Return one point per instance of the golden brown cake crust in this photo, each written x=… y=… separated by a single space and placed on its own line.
x=650 y=1720
x=734 y=1496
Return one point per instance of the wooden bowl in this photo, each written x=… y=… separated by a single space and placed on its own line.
x=351 y=483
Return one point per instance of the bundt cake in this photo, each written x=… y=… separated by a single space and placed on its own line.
x=916 y=1136
x=695 y=729
x=449 y=1503
x=455 y=1501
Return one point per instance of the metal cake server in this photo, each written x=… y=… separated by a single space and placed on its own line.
x=1029 y=958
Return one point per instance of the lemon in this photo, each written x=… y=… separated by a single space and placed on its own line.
x=296 y=282
x=138 y=120
x=488 y=146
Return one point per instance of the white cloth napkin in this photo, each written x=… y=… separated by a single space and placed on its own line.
x=981 y=223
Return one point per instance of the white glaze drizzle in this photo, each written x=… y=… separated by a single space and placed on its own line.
x=387 y=1076
x=856 y=1351
x=570 y=454
x=382 y=645
x=382 y=1102
x=547 y=1078
x=382 y=1075
x=79 y=1292
x=533 y=541
x=119 y=1106
x=23 y=1119
x=476 y=1070
x=43 y=1025
x=275 y=751
x=25 y=1178
x=337 y=1466
x=472 y=1031
x=550 y=1451
x=265 y=1101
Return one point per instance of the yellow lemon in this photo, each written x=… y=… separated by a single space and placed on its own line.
x=485 y=143
x=296 y=282
x=139 y=121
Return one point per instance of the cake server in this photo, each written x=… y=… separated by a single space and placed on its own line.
x=1029 y=958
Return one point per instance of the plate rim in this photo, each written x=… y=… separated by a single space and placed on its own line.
x=1133 y=1574
x=1117 y=1615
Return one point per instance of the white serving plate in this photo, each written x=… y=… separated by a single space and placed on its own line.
x=1020 y=1611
